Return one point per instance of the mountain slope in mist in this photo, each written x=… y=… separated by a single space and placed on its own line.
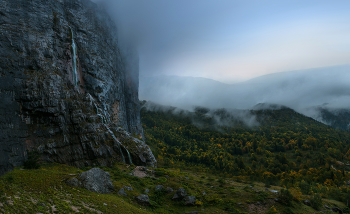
x=338 y=118
x=295 y=89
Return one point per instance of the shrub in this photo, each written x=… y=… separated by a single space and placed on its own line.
x=32 y=161
x=221 y=181
x=346 y=210
x=296 y=192
x=316 y=201
x=288 y=210
x=162 y=180
x=199 y=203
x=285 y=197
x=304 y=187
x=262 y=196
x=272 y=210
x=158 y=197
x=9 y=178
x=2 y=196
x=159 y=173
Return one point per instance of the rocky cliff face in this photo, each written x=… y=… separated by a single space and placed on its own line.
x=66 y=88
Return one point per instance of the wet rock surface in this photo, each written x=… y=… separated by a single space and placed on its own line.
x=94 y=180
x=79 y=108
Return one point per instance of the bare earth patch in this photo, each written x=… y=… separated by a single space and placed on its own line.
x=75 y=209
x=260 y=208
x=140 y=172
x=92 y=209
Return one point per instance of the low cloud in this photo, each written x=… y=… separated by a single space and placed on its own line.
x=209 y=118
x=296 y=89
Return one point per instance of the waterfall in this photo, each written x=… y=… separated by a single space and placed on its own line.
x=117 y=141
x=129 y=156
x=111 y=133
x=119 y=145
x=75 y=76
x=97 y=112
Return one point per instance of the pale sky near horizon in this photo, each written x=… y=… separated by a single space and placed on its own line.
x=234 y=40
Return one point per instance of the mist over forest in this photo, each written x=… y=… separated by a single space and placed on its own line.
x=185 y=63
x=304 y=91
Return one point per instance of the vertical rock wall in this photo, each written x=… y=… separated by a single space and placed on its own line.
x=41 y=109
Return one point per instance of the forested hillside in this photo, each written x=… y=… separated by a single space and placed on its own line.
x=281 y=147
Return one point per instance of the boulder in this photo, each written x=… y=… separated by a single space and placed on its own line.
x=327 y=207
x=146 y=191
x=180 y=194
x=74 y=182
x=122 y=192
x=96 y=180
x=190 y=200
x=159 y=187
x=307 y=203
x=143 y=200
x=169 y=190
x=129 y=188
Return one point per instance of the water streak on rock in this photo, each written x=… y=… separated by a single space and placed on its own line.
x=75 y=76
x=118 y=143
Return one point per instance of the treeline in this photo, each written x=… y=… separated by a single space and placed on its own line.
x=286 y=148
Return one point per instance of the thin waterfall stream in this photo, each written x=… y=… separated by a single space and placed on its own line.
x=75 y=75
x=116 y=140
x=104 y=120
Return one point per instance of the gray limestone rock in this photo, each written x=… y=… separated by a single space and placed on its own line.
x=307 y=203
x=96 y=180
x=159 y=187
x=74 y=182
x=143 y=200
x=129 y=188
x=169 y=190
x=122 y=192
x=83 y=115
x=179 y=194
x=190 y=200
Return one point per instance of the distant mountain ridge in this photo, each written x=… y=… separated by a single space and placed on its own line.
x=295 y=89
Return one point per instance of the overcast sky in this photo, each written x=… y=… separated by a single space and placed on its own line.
x=234 y=40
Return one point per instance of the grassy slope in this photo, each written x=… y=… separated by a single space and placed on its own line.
x=44 y=190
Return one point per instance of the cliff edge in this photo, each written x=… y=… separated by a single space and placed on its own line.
x=67 y=89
